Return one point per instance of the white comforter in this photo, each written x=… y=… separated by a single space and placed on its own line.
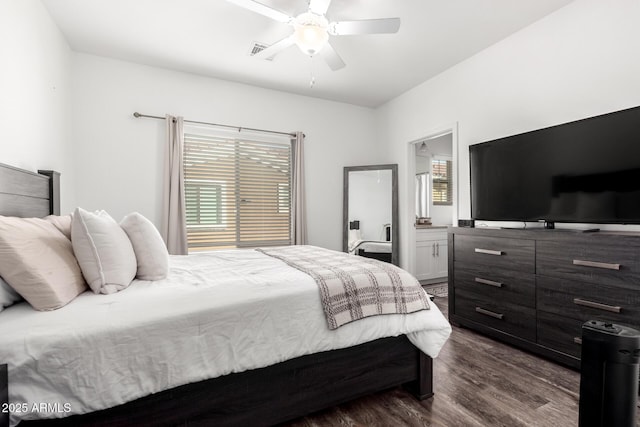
x=217 y=313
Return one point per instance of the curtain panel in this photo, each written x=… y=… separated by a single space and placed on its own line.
x=298 y=205
x=174 y=224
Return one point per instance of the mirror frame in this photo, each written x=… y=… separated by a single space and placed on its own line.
x=395 y=234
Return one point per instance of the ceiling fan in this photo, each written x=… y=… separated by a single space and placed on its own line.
x=312 y=30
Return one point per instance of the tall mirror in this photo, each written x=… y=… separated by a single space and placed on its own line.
x=370 y=212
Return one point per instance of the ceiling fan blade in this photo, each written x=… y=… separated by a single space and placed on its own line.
x=366 y=26
x=275 y=48
x=319 y=7
x=260 y=8
x=331 y=57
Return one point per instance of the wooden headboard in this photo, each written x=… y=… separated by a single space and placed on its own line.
x=25 y=194
x=28 y=194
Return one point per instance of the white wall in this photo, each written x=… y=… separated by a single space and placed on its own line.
x=120 y=157
x=34 y=93
x=578 y=62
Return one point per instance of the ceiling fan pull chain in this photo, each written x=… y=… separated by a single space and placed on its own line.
x=312 y=81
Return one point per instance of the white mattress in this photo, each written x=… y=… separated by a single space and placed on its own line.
x=217 y=313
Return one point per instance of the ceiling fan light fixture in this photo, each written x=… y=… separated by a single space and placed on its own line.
x=311 y=32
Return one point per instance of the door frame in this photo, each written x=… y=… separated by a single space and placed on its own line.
x=411 y=186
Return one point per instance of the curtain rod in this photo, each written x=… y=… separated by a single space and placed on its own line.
x=293 y=135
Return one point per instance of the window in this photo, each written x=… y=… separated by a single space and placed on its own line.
x=237 y=190
x=203 y=202
x=284 y=198
x=442 y=191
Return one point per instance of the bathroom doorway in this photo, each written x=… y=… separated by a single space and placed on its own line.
x=433 y=180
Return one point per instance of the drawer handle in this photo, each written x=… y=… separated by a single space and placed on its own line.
x=488 y=282
x=488 y=252
x=595 y=264
x=489 y=313
x=597 y=305
x=577 y=340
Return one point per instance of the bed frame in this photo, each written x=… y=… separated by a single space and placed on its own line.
x=265 y=396
x=382 y=256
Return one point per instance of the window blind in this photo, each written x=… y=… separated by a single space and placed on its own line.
x=237 y=191
x=442 y=192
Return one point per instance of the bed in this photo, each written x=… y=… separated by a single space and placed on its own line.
x=267 y=389
x=376 y=249
x=372 y=249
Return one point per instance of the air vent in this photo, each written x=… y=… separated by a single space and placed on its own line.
x=258 y=47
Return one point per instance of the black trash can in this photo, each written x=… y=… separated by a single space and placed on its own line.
x=609 y=375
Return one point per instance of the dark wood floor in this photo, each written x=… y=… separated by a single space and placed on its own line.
x=477 y=382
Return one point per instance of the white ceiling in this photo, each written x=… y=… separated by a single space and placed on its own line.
x=214 y=37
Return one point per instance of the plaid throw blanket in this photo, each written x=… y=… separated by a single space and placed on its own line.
x=354 y=287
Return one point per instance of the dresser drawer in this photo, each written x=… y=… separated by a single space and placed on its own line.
x=512 y=254
x=560 y=333
x=585 y=301
x=597 y=260
x=497 y=284
x=511 y=318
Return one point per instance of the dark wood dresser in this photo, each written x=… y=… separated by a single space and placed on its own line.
x=535 y=288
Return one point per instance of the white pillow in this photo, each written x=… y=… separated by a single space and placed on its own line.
x=103 y=250
x=7 y=295
x=151 y=252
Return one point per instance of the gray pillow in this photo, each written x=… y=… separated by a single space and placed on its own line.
x=62 y=223
x=37 y=261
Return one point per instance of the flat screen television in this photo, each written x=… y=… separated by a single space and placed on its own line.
x=587 y=171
